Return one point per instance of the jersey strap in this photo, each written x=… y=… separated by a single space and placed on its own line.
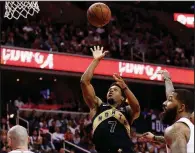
x=108 y=114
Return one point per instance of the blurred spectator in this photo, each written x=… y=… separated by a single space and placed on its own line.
x=68 y=135
x=87 y=120
x=57 y=138
x=3 y=140
x=73 y=127
x=47 y=146
x=76 y=138
x=44 y=127
x=35 y=141
x=3 y=125
x=52 y=127
x=18 y=102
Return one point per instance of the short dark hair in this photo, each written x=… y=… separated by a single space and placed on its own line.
x=186 y=97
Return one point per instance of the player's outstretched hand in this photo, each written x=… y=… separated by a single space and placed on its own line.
x=119 y=80
x=165 y=74
x=148 y=136
x=98 y=53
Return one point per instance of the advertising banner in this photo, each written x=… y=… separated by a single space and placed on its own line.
x=78 y=64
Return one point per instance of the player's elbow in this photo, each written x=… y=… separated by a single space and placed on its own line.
x=137 y=111
x=84 y=82
x=136 y=115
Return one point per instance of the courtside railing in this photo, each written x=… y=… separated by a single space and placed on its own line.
x=40 y=112
x=75 y=146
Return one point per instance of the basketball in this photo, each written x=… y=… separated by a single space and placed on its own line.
x=99 y=14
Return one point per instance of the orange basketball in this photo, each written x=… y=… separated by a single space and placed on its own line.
x=99 y=14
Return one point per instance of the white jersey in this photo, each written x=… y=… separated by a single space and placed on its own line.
x=18 y=151
x=190 y=144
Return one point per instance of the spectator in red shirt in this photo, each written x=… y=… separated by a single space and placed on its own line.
x=68 y=135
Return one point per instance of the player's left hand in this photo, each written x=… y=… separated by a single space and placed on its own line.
x=165 y=74
x=98 y=53
x=148 y=136
x=119 y=80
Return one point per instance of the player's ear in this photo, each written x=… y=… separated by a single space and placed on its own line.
x=28 y=139
x=9 y=142
x=182 y=108
x=122 y=98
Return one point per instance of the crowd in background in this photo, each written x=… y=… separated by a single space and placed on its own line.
x=129 y=30
x=50 y=130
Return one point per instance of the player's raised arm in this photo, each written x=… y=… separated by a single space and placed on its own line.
x=169 y=88
x=87 y=89
x=132 y=100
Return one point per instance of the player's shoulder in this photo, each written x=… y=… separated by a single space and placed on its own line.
x=175 y=130
x=180 y=126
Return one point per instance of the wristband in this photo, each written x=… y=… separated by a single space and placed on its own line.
x=167 y=79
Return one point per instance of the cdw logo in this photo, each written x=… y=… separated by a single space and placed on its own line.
x=185 y=19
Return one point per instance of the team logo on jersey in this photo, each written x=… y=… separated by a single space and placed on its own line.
x=111 y=113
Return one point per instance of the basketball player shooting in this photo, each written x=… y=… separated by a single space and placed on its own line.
x=18 y=139
x=178 y=110
x=112 y=119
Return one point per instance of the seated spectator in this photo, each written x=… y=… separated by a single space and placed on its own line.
x=68 y=135
x=3 y=141
x=44 y=127
x=35 y=140
x=52 y=127
x=47 y=146
x=57 y=138
x=87 y=120
x=76 y=139
x=73 y=126
x=136 y=148
x=3 y=125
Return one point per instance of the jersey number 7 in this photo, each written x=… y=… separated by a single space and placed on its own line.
x=113 y=125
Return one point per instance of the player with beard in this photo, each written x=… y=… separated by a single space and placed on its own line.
x=178 y=110
x=111 y=121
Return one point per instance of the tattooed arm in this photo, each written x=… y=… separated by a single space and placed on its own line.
x=151 y=137
x=176 y=137
x=159 y=139
x=169 y=88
